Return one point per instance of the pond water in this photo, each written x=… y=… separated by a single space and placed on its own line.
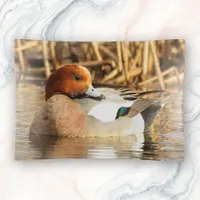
x=164 y=139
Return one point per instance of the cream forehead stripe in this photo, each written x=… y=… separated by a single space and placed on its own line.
x=85 y=69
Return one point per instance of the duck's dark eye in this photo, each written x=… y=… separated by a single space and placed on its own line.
x=77 y=78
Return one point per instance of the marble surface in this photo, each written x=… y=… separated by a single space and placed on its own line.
x=100 y=20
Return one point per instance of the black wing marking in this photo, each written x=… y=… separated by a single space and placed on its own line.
x=129 y=94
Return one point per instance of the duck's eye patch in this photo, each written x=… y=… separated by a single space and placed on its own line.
x=77 y=78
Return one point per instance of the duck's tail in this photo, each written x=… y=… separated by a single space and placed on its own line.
x=149 y=114
x=148 y=108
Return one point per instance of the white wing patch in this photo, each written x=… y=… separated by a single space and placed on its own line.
x=105 y=112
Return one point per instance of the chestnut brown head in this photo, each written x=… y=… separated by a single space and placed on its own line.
x=70 y=80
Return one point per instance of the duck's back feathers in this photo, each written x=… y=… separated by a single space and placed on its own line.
x=118 y=103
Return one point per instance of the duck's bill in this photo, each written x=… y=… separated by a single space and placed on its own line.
x=94 y=93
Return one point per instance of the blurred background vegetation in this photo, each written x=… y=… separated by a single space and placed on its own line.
x=142 y=65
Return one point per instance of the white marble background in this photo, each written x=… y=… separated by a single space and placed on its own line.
x=100 y=20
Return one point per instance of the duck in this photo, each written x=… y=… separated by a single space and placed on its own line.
x=74 y=108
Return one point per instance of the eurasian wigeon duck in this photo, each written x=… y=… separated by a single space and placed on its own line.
x=74 y=108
